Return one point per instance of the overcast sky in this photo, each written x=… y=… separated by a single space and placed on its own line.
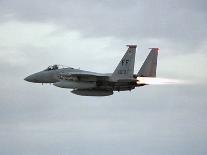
x=91 y=35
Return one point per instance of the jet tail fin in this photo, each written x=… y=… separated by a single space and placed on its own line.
x=125 y=68
x=149 y=67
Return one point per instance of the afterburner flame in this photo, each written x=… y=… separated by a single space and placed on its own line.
x=158 y=81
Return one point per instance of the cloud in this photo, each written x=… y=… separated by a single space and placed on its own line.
x=180 y=22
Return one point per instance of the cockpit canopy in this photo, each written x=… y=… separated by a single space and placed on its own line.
x=55 y=67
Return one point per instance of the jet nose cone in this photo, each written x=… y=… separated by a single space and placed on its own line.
x=29 y=79
x=42 y=77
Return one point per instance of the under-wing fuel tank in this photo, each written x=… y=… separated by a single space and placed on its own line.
x=92 y=92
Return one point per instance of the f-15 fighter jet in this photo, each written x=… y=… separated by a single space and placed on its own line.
x=87 y=83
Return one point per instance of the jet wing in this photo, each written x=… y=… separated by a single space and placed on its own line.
x=83 y=76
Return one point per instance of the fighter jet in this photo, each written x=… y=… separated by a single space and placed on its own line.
x=86 y=83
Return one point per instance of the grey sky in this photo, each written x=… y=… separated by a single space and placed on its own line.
x=92 y=35
x=132 y=19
